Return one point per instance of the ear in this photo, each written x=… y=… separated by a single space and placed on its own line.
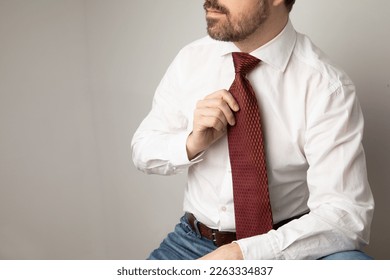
x=277 y=2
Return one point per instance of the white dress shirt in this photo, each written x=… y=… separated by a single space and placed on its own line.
x=313 y=128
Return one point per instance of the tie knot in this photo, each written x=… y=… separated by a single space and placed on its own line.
x=244 y=62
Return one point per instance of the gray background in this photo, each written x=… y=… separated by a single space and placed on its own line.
x=76 y=79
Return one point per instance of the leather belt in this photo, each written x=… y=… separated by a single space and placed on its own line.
x=221 y=238
x=218 y=237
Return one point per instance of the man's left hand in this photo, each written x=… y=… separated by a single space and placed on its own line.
x=231 y=251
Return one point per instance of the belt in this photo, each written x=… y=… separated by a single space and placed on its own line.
x=221 y=238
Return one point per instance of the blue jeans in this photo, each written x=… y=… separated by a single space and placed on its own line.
x=185 y=244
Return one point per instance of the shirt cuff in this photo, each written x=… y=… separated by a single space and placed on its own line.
x=260 y=247
x=178 y=152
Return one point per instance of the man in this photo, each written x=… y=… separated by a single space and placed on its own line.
x=312 y=128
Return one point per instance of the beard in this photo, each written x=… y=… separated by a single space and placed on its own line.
x=235 y=28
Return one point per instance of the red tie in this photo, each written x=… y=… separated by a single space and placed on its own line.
x=250 y=184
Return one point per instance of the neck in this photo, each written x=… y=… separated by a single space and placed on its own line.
x=265 y=33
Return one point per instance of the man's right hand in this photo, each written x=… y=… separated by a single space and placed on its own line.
x=211 y=117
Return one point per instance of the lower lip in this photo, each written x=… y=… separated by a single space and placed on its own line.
x=214 y=13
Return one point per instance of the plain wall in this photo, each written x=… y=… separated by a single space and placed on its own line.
x=50 y=197
x=76 y=79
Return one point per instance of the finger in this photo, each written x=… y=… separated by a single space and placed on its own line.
x=222 y=109
x=210 y=118
x=227 y=97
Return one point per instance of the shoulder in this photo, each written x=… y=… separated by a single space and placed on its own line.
x=202 y=43
x=317 y=63
x=203 y=48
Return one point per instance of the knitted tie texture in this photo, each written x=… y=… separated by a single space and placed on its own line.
x=252 y=207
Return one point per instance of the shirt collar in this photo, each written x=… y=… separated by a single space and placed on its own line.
x=276 y=52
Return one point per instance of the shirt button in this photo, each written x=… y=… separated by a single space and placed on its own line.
x=223 y=208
